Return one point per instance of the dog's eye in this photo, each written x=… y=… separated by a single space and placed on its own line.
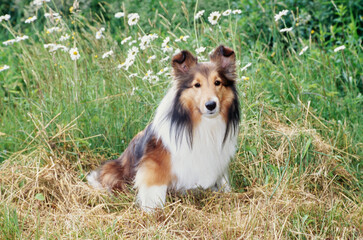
x=217 y=83
x=197 y=85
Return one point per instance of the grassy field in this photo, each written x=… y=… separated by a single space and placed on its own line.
x=297 y=173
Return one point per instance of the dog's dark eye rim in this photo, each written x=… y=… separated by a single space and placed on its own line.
x=217 y=83
x=197 y=85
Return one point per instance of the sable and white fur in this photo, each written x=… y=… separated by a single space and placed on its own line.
x=191 y=140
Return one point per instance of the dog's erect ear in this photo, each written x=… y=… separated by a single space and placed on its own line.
x=183 y=62
x=225 y=58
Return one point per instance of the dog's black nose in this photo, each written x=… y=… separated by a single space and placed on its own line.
x=211 y=105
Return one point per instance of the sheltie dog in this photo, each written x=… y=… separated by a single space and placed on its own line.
x=191 y=139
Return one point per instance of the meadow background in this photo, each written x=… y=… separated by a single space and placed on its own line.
x=297 y=173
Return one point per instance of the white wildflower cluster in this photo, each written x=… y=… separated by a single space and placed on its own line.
x=40 y=2
x=17 y=39
x=339 y=48
x=151 y=77
x=30 y=19
x=125 y=40
x=245 y=67
x=64 y=37
x=6 y=17
x=133 y=18
x=3 y=68
x=99 y=34
x=131 y=55
x=74 y=53
x=54 y=29
x=182 y=38
x=107 y=54
x=280 y=14
x=214 y=17
x=303 y=50
x=146 y=40
x=119 y=15
x=54 y=47
x=165 y=47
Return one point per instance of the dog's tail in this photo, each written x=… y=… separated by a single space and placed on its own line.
x=112 y=175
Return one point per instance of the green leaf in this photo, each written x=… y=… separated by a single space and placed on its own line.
x=39 y=196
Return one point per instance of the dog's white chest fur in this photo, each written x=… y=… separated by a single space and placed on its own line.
x=207 y=160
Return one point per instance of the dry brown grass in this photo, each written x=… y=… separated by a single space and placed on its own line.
x=310 y=205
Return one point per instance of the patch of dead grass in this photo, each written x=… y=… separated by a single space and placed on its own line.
x=48 y=191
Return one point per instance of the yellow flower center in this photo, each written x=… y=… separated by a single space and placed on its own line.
x=96 y=56
x=75 y=53
x=312 y=31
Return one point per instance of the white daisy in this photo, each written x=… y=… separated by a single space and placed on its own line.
x=146 y=40
x=74 y=53
x=148 y=74
x=303 y=50
x=133 y=75
x=107 y=54
x=125 y=40
x=3 y=68
x=40 y=2
x=99 y=33
x=132 y=42
x=165 y=42
x=149 y=60
x=199 y=14
x=133 y=18
x=227 y=12
x=132 y=52
x=31 y=19
x=52 y=14
x=167 y=49
x=237 y=11
x=10 y=41
x=182 y=38
x=163 y=71
x=280 y=14
x=339 y=48
x=245 y=67
x=164 y=59
x=286 y=30
x=200 y=50
x=214 y=17
x=119 y=15
x=18 y=39
x=63 y=38
x=6 y=17
x=50 y=30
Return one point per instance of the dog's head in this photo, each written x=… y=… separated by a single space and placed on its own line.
x=206 y=89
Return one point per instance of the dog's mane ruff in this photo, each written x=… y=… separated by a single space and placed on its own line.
x=233 y=116
x=173 y=120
